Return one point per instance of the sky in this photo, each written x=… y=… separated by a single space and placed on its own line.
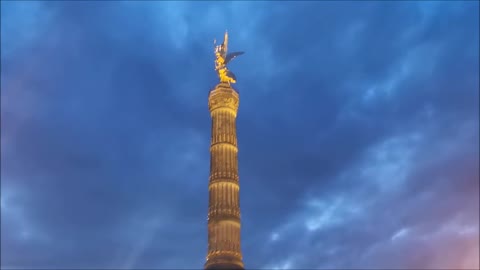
x=358 y=133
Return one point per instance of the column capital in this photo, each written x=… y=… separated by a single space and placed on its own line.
x=223 y=96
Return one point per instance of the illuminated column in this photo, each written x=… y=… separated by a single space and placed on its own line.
x=224 y=251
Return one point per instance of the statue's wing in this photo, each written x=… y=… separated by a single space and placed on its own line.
x=231 y=75
x=230 y=56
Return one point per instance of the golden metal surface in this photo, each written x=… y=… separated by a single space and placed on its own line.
x=222 y=59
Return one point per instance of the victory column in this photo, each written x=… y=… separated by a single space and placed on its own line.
x=224 y=251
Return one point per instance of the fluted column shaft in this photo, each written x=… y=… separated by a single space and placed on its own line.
x=224 y=249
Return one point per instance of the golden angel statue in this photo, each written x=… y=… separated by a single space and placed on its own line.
x=222 y=59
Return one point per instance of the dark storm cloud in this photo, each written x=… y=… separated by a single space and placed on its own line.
x=96 y=132
x=358 y=133
x=330 y=144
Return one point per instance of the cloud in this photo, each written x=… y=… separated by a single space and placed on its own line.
x=357 y=129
